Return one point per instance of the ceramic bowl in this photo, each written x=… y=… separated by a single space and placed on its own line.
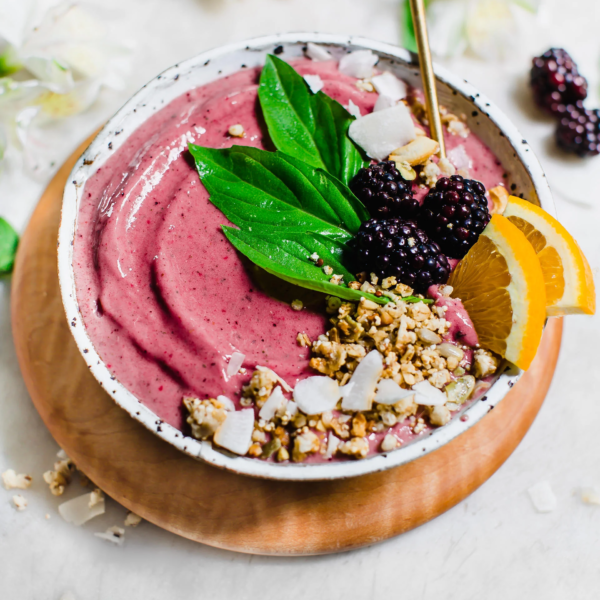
x=489 y=123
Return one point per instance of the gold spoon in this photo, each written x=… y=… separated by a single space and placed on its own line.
x=417 y=9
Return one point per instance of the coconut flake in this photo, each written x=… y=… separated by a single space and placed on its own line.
x=387 y=84
x=83 y=508
x=353 y=109
x=383 y=102
x=359 y=64
x=274 y=403
x=381 y=132
x=235 y=363
x=284 y=385
x=235 y=433
x=590 y=495
x=114 y=534
x=315 y=83
x=542 y=497
x=428 y=395
x=332 y=446
x=291 y=408
x=317 y=53
x=315 y=395
x=227 y=402
x=364 y=378
x=459 y=158
x=389 y=392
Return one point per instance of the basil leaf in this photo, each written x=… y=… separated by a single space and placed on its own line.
x=9 y=240
x=407 y=27
x=286 y=262
x=261 y=190
x=307 y=126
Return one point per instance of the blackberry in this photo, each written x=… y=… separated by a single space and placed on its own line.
x=385 y=192
x=396 y=247
x=454 y=213
x=556 y=82
x=579 y=132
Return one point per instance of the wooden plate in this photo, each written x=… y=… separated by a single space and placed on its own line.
x=216 y=507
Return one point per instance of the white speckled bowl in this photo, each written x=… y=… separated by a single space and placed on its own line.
x=489 y=123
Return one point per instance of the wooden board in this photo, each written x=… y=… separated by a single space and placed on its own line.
x=216 y=507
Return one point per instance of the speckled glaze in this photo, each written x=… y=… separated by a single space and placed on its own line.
x=524 y=173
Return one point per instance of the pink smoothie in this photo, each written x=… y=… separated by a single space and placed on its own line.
x=164 y=296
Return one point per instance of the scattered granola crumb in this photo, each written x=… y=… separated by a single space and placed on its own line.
x=542 y=497
x=297 y=304
x=60 y=477
x=590 y=495
x=13 y=480
x=364 y=85
x=337 y=279
x=354 y=285
x=430 y=173
x=303 y=340
x=389 y=443
x=447 y=169
x=20 y=502
x=236 y=131
x=484 y=363
x=314 y=257
x=47 y=517
x=328 y=270
x=132 y=520
x=96 y=497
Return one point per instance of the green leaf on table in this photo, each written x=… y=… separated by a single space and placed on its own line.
x=9 y=240
x=286 y=210
x=307 y=126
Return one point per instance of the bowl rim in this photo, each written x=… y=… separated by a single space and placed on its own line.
x=97 y=151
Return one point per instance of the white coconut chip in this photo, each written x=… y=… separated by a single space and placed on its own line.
x=428 y=395
x=315 y=395
x=284 y=385
x=459 y=158
x=332 y=446
x=317 y=53
x=83 y=508
x=315 y=83
x=274 y=403
x=114 y=534
x=387 y=84
x=383 y=102
x=291 y=408
x=364 y=380
x=381 y=132
x=353 y=109
x=235 y=433
x=235 y=363
x=590 y=495
x=358 y=64
x=227 y=402
x=542 y=497
x=389 y=392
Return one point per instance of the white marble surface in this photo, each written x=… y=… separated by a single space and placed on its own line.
x=492 y=546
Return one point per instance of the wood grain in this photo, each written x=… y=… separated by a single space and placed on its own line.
x=216 y=507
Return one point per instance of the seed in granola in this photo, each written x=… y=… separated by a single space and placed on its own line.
x=236 y=131
x=297 y=304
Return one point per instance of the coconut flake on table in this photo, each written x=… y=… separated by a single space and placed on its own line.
x=83 y=508
x=235 y=363
x=542 y=497
x=227 y=402
x=284 y=385
x=389 y=392
x=315 y=395
x=353 y=109
x=114 y=534
x=590 y=495
x=274 y=403
x=317 y=53
x=358 y=64
x=459 y=158
x=387 y=84
x=428 y=395
x=364 y=380
x=315 y=83
x=381 y=132
x=235 y=433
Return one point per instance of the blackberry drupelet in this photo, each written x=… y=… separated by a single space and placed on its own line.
x=579 y=132
x=396 y=247
x=454 y=213
x=556 y=82
x=385 y=192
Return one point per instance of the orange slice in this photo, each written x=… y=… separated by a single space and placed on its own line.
x=501 y=285
x=567 y=274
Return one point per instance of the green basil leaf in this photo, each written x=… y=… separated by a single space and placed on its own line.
x=9 y=240
x=407 y=28
x=307 y=126
x=284 y=261
x=260 y=190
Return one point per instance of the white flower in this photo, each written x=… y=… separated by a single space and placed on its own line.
x=50 y=72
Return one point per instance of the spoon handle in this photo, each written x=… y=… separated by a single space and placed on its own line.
x=417 y=8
